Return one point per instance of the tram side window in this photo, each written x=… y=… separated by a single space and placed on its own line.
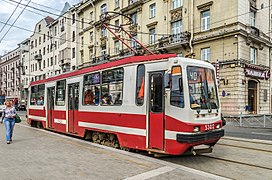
x=37 y=95
x=60 y=93
x=112 y=87
x=91 y=89
x=177 y=94
x=140 y=83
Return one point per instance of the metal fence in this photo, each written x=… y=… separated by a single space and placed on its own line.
x=246 y=120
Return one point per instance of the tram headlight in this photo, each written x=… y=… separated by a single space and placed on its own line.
x=217 y=126
x=196 y=129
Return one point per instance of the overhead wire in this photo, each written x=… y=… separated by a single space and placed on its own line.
x=10 y=16
x=14 y=21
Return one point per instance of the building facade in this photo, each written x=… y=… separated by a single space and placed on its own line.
x=237 y=39
x=10 y=75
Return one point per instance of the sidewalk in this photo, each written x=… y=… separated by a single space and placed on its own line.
x=40 y=154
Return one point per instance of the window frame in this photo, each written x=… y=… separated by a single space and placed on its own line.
x=65 y=89
x=108 y=83
x=98 y=84
x=152 y=10
x=253 y=61
x=152 y=36
x=206 y=52
x=206 y=20
x=136 y=87
x=37 y=94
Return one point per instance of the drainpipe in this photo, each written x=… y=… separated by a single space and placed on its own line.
x=192 y=26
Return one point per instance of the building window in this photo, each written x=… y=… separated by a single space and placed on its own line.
x=103 y=8
x=51 y=61
x=43 y=37
x=205 y=54
x=73 y=53
x=60 y=93
x=140 y=84
x=91 y=16
x=55 y=33
x=91 y=89
x=43 y=50
x=91 y=37
x=112 y=87
x=152 y=10
x=117 y=3
x=252 y=16
x=39 y=28
x=176 y=4
x=133 y=17
x=82 y=41
x=43 y=63
x=103 y=32
x=73 y=36
x=82 y=23
x=73 y=18
x=133 y=42
x=116 y=23
x=103 y=52
x=253 y=55
x=117 y=47
x=152 y=36
x=205 y=20
x=176 y=29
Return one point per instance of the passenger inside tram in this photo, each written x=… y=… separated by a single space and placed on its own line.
x=89 y=97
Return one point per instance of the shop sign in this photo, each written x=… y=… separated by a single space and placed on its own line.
x=260 y=74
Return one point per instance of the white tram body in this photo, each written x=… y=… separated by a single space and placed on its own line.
x=159 y=103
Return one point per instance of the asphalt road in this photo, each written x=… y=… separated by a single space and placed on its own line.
x=248 y=133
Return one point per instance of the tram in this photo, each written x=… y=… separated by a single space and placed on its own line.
x=162 y=104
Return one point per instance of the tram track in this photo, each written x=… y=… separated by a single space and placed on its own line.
x=236 y=162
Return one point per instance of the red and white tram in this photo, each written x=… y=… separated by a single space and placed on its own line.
x=158 y=103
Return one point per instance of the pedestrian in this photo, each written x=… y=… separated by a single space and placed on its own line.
x=9 y=114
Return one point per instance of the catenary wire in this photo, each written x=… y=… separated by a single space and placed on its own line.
x=10 y=16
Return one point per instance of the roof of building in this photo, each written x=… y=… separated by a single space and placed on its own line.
x=66 y=7
x=48 y=20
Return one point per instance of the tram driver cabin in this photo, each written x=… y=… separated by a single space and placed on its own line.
x=159 y=103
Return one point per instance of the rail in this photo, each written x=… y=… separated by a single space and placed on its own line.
x=246 y=120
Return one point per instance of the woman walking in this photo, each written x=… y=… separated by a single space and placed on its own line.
x=9 y=114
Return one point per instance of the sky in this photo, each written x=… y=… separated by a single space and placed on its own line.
x=27 y=20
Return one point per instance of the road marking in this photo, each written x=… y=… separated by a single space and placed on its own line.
x=152 y=173
x=247 y=140
x=261 y=133
x=139 y=156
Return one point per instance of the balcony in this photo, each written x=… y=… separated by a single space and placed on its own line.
x=174 y=41
x=254 y=31
x=38 y=57
x=132 y=4
x=64 y=61
x=101 y=59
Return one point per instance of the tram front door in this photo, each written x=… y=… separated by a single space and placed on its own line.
x=73 y=95
x=156 y=111
x=50 y=106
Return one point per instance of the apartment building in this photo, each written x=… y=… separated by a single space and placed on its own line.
x=236 y=35
x=10 y=75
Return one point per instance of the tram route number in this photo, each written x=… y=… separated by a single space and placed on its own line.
x=209 y=127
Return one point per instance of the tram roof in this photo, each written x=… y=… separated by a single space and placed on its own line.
x=120 y=62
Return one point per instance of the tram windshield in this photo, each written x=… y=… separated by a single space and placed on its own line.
x=202 y=88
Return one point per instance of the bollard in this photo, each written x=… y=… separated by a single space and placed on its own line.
x=240 y=119
x=264 y=120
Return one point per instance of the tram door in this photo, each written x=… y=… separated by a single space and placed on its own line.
x=73 y=95
x=156 y=111
x=50 y=105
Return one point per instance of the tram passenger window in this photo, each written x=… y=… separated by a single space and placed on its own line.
x=91 y=94
x=140 y=84
x=112 y=87
x=177 y=94
x=60 y=93
x=37 y=95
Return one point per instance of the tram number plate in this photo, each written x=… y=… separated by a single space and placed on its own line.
x=209 y=127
